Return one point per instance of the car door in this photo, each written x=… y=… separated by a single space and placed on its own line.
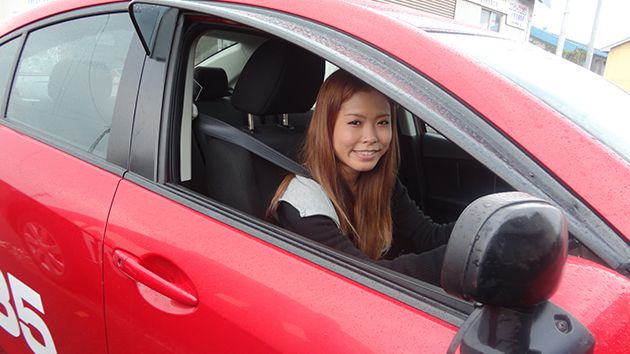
x=66 y=105
x=450 y=178
x=184 y=273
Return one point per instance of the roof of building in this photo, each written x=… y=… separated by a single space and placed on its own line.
x=616 y=44
x=569 y=45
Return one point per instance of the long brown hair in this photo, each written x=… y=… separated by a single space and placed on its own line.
x=366 y=216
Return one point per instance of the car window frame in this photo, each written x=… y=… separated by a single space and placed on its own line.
x=120 y=129
x=460 y=123
x=155 y=176
x=4 y=100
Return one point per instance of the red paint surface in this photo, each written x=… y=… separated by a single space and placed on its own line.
x=53 y=209
x=45 y=10
x=252 y=296
x=600 y=299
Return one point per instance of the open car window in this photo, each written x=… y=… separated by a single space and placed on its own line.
x=224 y=91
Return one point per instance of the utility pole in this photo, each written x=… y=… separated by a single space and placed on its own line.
x=563 y=28
x=591 y=44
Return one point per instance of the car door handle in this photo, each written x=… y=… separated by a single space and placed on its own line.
x=130 y=265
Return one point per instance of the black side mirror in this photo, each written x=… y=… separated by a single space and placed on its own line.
x=506 y=253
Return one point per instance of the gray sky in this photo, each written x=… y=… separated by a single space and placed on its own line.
x=613 y=26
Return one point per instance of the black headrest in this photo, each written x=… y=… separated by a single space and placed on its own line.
x=213 y=81
x=279 y=78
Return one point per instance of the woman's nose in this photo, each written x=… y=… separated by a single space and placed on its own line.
x=369 y=134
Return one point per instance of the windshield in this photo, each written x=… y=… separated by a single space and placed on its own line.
x=590 y=101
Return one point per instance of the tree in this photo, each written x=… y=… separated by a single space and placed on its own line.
x=577 y=56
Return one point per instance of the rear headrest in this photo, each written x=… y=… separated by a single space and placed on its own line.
x=80 y=82
x=213 y=81
x=279 y=78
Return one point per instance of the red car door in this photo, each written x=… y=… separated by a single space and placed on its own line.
x=56 y=181
x=183 y=282
x=51 y=241
x=184 y=274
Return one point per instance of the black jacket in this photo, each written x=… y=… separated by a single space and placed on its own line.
x=418 y=244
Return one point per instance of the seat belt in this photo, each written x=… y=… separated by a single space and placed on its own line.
x=223 y=131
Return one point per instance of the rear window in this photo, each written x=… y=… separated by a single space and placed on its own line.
x=67 y=80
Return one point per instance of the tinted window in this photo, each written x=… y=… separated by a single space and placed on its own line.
x=7 y=54
x=67 y=79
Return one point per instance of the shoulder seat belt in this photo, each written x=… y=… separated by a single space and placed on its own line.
x=223 y=131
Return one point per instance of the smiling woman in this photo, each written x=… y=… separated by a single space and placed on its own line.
x=352 y=155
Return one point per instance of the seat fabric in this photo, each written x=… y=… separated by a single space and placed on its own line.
x=279 y=78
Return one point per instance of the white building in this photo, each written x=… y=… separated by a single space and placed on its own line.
x=509 y=17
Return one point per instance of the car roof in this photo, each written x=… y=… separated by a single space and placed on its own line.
x=399 y=13
x=48 y=9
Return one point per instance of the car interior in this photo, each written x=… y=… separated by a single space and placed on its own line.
x=246 y=93
x=266 y=89
x=277 y=85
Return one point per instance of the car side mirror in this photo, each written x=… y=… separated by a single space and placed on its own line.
x=506 y=253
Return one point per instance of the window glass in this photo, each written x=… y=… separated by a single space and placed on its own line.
x=209 y=46
x=490 y=20
x=7 y=54
x=67 y=79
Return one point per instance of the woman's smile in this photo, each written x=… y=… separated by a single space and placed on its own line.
x=366 y=154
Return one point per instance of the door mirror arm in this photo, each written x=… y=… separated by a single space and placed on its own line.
x=506 y=254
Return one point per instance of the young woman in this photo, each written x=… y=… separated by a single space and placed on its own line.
x=353 y=201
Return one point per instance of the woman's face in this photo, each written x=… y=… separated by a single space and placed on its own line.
x=362 y=133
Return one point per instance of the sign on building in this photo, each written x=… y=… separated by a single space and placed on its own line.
x=517 y=15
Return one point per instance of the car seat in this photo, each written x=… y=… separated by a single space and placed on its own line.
x=213 y=96
x=279 y=79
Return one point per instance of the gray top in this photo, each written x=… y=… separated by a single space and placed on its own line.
x=309 y=199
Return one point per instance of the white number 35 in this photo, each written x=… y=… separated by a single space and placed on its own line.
x=12 y=322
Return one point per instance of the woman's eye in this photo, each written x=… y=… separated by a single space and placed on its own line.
x=383 y=122
x=354 y=122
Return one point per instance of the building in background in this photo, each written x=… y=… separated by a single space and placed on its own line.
x=618 y=67
x=573 y=51
x=511 y=18
x=444 y=8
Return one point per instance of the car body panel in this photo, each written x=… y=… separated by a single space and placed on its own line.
x=45 y=10
x=600 y=300
x=252 y=296
x=54 y=208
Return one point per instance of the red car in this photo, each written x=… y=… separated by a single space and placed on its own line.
x=136 y=166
